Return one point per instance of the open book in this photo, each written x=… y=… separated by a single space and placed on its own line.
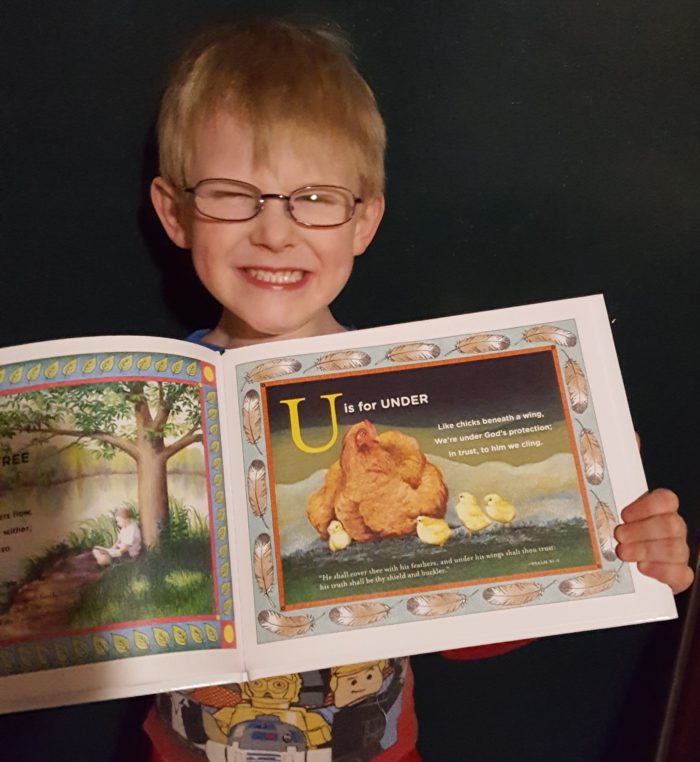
x=173 y=517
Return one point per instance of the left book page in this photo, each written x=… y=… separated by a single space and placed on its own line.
x=115 y=572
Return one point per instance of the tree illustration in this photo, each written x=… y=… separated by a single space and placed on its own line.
x=150 y=421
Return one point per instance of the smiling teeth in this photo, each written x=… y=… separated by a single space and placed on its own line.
x=277 y=276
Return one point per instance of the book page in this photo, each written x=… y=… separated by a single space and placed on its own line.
x=114 y=540
x=433 y=485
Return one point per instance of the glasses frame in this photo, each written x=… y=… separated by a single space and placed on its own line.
x=263 y=197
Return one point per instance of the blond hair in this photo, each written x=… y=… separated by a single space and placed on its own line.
x=274 y=76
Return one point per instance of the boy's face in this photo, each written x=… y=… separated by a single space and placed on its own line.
x=274 y=277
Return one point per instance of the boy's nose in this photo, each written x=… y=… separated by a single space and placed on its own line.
x=273 y=227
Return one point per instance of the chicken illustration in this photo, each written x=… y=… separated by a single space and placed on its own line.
x=432 y=531
x=338 y=538
x=499 y=509
x=378 y=487
x=471 y=514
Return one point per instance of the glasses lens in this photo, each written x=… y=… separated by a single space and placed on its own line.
x=322 y=205
x=226 y=200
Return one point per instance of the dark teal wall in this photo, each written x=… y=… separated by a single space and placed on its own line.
x=537 y=150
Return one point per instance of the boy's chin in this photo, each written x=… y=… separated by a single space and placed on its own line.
x=274 y=331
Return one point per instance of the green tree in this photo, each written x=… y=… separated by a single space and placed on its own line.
x=149 y=421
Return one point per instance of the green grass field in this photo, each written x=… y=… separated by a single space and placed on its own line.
x=173 y=580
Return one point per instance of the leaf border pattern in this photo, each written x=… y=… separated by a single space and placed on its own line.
x=150 y=636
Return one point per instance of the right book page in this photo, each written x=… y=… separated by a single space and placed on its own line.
x=433 y=485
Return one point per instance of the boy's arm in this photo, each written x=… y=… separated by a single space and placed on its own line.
x=653 y=534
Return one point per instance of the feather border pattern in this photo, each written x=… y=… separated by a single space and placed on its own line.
x=431 y=603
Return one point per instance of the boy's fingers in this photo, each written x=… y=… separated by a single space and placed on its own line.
x=651 y=504
x=668 y=551
x=677 y=576
x=660 y=526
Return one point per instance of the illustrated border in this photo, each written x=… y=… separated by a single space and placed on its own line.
x=561 y=336
x=152 y=636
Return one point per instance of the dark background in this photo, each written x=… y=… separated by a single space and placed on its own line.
x=475 y=388
x=537 y=150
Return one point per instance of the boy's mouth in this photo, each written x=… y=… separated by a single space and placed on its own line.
x=268 y=278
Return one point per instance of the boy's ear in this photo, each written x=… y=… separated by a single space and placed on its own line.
x=170 y=212
x=370 y=215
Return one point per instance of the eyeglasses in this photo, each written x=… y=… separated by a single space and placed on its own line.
x=314 y=206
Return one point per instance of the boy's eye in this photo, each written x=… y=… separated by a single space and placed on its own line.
x=314 y=197
x=227 y=193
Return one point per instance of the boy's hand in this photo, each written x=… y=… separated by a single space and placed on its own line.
x=654 y=536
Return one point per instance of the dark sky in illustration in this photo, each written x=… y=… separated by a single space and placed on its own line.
x=468 y=389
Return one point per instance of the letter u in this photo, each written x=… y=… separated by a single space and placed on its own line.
x=295 y=426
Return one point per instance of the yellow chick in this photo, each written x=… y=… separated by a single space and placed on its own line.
x=338 y=538
x=470 y=513
x=432 y=531
x=499 y=509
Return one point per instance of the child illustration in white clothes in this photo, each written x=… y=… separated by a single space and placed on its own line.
x=128 y=540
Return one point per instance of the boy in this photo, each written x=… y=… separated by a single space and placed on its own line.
x=271 y=158
x=128 y=540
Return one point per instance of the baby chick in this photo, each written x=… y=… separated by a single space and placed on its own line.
x=471 y=514
x=338 y=538
x=499 y=509
x=432 y=531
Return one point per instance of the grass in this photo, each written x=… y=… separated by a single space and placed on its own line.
x=7 y=595
x=173 y=579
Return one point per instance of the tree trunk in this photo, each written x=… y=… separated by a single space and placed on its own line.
x=152 y=495
x=152 y=476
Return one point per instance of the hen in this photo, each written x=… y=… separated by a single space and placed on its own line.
x=378 y=487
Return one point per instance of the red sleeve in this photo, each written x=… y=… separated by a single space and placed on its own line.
x=483 y=652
